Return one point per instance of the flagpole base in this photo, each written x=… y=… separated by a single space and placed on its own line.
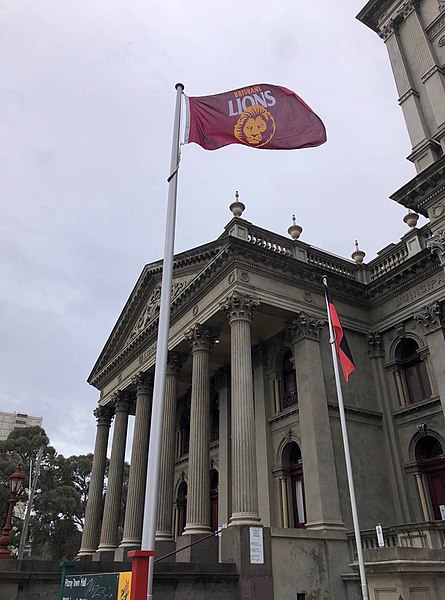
x=139 y=573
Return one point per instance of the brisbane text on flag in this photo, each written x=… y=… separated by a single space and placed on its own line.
x=263 y=116
x=341 y=343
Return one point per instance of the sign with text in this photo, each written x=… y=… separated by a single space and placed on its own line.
x=256 y=546
x=379 y=532
x=103 y=586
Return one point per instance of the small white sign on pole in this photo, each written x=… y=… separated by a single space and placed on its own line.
x=442 y=511
x=256 y=546
x=380 y=540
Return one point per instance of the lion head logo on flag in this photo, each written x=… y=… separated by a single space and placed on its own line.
x=256 y=126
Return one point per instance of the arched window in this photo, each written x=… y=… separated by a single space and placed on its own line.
x=214 y=484
x=431 y=460
x=413 y=372
x=292 y=487
x=181 y=508
x=289 y=395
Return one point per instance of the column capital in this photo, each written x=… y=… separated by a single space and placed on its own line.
x=104 y=415
x=200 y=337
x=436 y=245
x=304 y=326
x=375 y=345
x=239 y=306
x=121 y=401
x=175 y=363
x=430 y=317
x=143 y=382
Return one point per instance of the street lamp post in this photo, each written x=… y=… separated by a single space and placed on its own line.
x=15 y=483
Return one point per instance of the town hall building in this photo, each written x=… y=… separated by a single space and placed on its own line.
x=251 y=435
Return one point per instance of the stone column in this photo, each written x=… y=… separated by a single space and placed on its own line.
x=93 y=511
x=222 y=382
x=164 y=530
x=198 y=504
x=110 y=523
x=134 y=511
x=431 y=318
x=239 y=308
x=320 y=479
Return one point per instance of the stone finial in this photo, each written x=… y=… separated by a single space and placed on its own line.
x=411 y=219
x=358 y=255
x=294 y=230
x=237 y=207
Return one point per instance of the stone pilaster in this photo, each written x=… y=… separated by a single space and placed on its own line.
x=222 y=385
x=164 y=530
x=198 y=506
x=134 y=511
x=430 y=316
x=110 y=522
x=238 y=308
x=322 y=506
x=93 y=511
x=396 y=476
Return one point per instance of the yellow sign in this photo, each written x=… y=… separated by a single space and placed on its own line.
x=124 y=586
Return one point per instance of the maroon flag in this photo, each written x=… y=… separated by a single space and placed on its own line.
x=260 y=116
x=341 y=343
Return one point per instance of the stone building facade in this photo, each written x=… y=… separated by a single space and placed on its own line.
x=251 y=434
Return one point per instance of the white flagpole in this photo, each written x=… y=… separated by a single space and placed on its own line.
x=157 y=416
x=341 y=407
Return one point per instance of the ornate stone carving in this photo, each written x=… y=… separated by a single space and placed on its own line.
x=441 y=4
x=304 y=326
x=121 y=401
x=200 y=337
x=239 y=306
x=221 y=378
x=103 y=414
x=258 y=352
x=151 y=309
x=429 y=317
x=400 y=329
x=436 y=245
x=175 y=363
x=143 y=382
x=375 y=343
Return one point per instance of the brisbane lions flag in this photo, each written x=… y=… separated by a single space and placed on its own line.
x=260 y=116
x=341 y=343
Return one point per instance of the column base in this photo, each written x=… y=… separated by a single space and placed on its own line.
x=164 y=547
x=121 y=553
x=85 y=554
x=327 y=526
x=256 y=580
x=248 y=519
x=104 y=555
x=205 y=551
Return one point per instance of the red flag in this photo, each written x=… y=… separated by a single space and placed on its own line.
x=341 y=343
x=260 y=116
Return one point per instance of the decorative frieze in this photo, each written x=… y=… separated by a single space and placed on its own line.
x=436 y=245
x=429 y=316
x=304 y=325
x=239 y=306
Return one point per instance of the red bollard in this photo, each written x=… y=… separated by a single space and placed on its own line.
x=139 y=573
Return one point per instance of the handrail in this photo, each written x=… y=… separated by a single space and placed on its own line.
x=207 y=537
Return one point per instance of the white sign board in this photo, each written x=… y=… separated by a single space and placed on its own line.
x=442 y=511
x=379 y=532
x=256 y=546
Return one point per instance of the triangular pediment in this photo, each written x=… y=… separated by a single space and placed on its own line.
x=142 y=307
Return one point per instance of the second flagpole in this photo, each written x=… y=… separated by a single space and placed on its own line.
x=154 y=451
x=344 y=430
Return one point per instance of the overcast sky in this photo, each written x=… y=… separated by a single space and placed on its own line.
x=87 y=100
